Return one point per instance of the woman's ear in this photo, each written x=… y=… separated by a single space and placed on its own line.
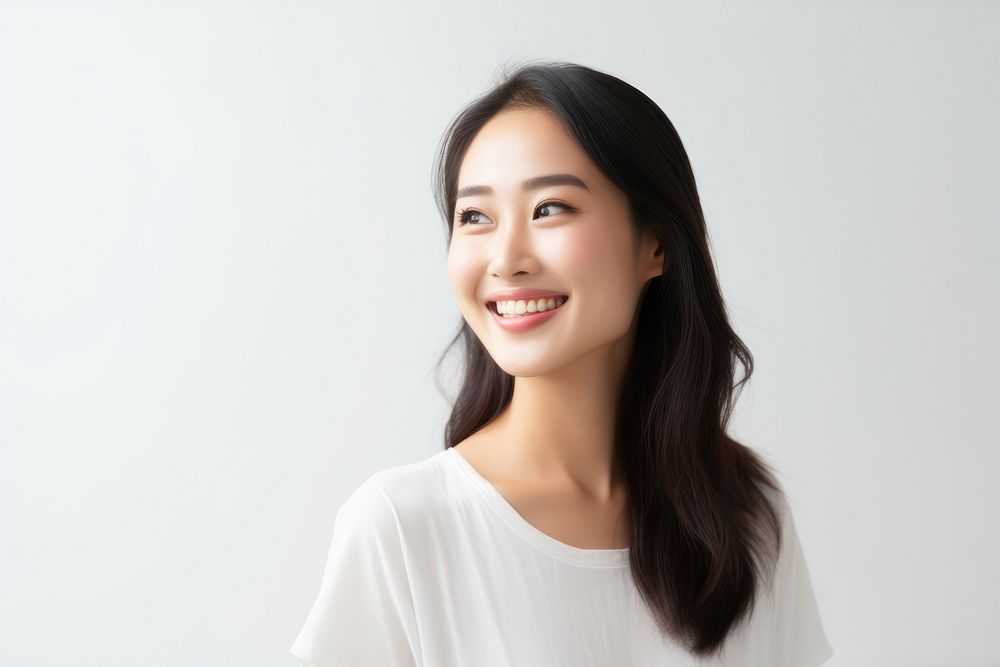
x=652 y=256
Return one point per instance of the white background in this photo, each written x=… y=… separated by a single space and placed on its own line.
x=223 y=291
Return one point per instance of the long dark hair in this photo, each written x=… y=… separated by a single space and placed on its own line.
x=703 y=508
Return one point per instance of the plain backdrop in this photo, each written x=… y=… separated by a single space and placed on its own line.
x=223 y=291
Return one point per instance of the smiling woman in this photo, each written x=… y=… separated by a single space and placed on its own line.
x=517 y=165
x=589 y=506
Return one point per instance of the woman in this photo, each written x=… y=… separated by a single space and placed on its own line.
x=588 y=508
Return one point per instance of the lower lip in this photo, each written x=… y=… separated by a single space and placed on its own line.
x=527 y=321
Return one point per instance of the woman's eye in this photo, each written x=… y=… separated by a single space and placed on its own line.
x=464 y=217
x=549 y=204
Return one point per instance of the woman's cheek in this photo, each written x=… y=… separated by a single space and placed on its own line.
x=596 y=261
x=462 y=274
x=584 y=252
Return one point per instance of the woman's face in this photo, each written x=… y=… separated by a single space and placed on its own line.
x=564 y=238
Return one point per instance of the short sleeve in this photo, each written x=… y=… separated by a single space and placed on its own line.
x=364 y=613
x=800 y=640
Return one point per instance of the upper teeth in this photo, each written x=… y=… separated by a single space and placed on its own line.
x=515 y=308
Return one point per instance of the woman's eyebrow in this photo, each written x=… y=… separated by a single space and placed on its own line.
x=530 y=184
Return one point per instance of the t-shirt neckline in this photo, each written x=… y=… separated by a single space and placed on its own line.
x=520 y=525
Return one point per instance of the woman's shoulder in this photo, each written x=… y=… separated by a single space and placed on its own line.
x=401 y=492
x=786 y=625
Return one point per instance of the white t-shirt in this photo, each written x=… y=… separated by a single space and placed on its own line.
x=429 y=565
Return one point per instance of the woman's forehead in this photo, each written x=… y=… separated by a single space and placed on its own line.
x=517 y=146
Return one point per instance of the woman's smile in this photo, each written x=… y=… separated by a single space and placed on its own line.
x=519 y=316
